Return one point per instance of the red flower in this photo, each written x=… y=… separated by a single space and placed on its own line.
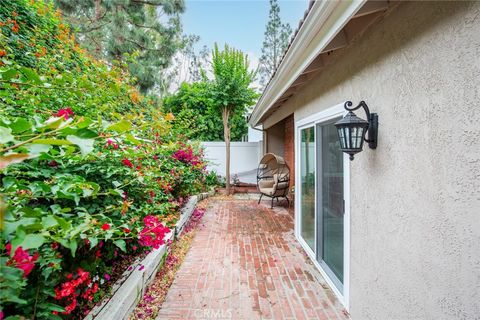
x=22 y=260
x=153 y=234
x=127 y=162
x=105 y=226
x=111 y=143
x=126 y=230
x=71 y=306
x=65 y=113
x=77 y=286
x=54 y=246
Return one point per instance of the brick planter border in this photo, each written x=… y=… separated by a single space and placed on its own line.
x=129 y=289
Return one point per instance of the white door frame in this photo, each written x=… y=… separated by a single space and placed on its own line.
x=312 y=121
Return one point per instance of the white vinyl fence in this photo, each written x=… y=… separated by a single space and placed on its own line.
x=244 y=159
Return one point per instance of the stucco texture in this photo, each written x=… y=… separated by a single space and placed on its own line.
x=415 y=201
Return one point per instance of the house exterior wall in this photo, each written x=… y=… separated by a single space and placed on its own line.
x=415 y=200
x=275 y=138
x=289 y=146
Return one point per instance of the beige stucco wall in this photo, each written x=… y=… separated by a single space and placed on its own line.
x=415 y=201
x=275 y=137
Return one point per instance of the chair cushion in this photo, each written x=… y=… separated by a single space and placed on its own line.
x=266 y=183
x=267 y=191
x=280 y=177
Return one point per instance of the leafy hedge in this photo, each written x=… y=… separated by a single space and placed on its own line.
x=92 y=175
x=198 y=116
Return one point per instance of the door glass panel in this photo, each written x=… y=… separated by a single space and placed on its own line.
x=332 y=207
x=307 y=178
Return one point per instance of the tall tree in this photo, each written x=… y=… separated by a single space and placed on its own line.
x=188 y=65
x=144 y=34
x=276 y=38
x=231 y=90
x=196 y=114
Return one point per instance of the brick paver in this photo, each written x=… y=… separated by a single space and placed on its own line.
x=244 y=263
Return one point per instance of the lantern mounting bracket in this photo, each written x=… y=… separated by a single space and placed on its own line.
x=372 y=118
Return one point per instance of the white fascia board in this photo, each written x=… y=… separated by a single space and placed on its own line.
x=324 y=21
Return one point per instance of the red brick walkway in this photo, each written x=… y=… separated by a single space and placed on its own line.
x=245 y=263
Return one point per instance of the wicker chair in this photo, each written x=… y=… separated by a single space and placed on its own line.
x=273 y=178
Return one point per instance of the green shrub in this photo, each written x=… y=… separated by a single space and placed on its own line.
x=91 y=173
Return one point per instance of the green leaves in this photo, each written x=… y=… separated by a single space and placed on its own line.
x=29 y=75
x=121 y=244
x=6 y=135
x=12 y=283
x=121 y=126
x=20 y=125
x=52 y=141
x=85 y=145
x=84 y=159
x=30 y=241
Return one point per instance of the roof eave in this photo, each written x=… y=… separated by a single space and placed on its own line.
x=323 y=22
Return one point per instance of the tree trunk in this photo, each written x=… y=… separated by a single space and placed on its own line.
x=226 y=136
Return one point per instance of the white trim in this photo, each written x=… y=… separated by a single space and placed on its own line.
x=313 y=120
x=322 y=24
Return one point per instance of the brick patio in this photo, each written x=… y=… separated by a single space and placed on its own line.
x=245 y=263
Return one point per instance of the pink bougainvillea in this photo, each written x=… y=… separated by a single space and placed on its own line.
x=65 y=113
x=153 y=234
x=186 y=156
x=21 y=259
x=112 y=144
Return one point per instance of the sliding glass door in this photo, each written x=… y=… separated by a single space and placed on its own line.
x=307 y=180
x=321 y=220
x=330 y=203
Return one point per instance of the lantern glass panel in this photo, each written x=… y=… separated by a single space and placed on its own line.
x=358 y=137
x=341 y=136
x=348 y=137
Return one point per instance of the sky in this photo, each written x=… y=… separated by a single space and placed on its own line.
x=240 y=23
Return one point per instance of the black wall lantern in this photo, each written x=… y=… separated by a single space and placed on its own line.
x=352 y=129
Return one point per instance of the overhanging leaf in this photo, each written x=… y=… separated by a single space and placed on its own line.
x=85 y=145
x=20 y=125
x=30 y=75
x=32 y=241
x=36 y=149
x=132 y=139
x=73 y=247
x=13 y=158
x=121 y=244
x=121 y=126
x=5 y=135
x=53 y=142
